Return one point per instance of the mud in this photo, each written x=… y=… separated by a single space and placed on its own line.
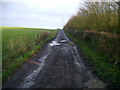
x=58 y=65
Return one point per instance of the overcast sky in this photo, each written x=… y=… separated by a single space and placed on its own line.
x=38 y=13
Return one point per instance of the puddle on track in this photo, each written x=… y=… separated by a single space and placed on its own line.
x=30 y=79
x=54 y=43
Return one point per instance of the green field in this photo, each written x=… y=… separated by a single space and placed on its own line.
x=19 y=44
x=12 y=33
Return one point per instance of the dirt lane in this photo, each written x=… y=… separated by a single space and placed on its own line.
x=58 y=65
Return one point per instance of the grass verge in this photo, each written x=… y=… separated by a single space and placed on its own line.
x=104 y=70
x=9 y=69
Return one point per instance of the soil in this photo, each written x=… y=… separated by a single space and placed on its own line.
x=57 y=65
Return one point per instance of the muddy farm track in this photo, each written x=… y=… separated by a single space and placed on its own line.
x=57 y=65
